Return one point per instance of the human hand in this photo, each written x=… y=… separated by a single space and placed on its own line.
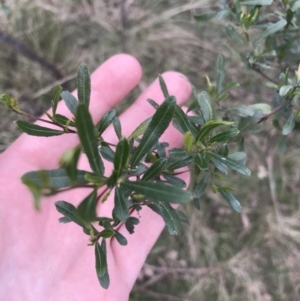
x=41 y=259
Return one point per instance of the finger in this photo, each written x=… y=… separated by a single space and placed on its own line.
x=110 y=83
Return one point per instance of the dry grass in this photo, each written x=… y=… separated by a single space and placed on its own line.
x=222 y=255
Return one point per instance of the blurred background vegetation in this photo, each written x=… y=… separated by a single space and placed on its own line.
x=222 y=255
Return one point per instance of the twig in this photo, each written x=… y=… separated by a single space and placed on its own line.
x=266 y=116
x=258 y=70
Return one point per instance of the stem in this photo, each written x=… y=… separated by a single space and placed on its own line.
x=258 y=70
x=266 y=116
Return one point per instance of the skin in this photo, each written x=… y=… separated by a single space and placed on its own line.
x=41 y=259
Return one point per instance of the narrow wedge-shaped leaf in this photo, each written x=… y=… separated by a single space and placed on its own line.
x=70 y=101
x=105 y=121
x=178 y=163
x=200 y=188
x=202 y=161
x=63 y=120
x=225 y=135
x=121 y=156
x=83 y=85
x=256 y=2
x=153 y=103
x=120 y=238
x=223 y=150
x=69 y=211
x=273 y=28
x=107 y=153
x=159 y=191
x=163 y=86
x=206 y=107
x=240 y=168
x=232 y=201
x=159 y=123
x=219 y=162
x=37 y=130
x=121 y=210
x=177 y=152
x=184 y=122
x=289 y=125
x=53 y=179
x=85 y=128
x=240 y=157
x=140 y=130
x=208 y=127
x=220 y=73
x=234 y=35
x=104 y=279
x=86 y=210
x=117 y=127
x=169 y=216
x=155 y=169
x=55 y=97
x=101 y=264
x=175 y=181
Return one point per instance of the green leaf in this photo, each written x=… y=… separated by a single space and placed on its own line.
x=234 y=35
x=101 y=264
x=264 y=107
x=188 y=141
x=285 y=90
x=206 y=107
x=105 y=121
x=169 y=216
x=200 y=188
x=86 y=210
x=155 y=169
x=83 y=85
x=63 y=120
x=163 y=86
x=159 y=191
x=245 y=110
x=232 y=201
x=219 y=162
x=220 y=74
x=85 y=128
x=56 y=91
x=178 y=163
x=121 y=210
x=230 y=86
x=184 y=122
x=273 y=28
x=177 y=153
x=154 y=104
x=202 y=161
x=37 y=130
x=107 y=233
x=204 y=17
x=208 y=127
x=130 y=223
x=120 y=238
x=281 y=145
x=175 y=181
x=69 y=211
x=240 y=157
x=240 y=168
x=159 y=123
x=289 y=125
x=223 y=150
x=117 y=127
x=256 y=2
x=104 y=279
x=107 y=153
x=121 y=156
x=70 y=101
x=140 y=130
x=225 y=135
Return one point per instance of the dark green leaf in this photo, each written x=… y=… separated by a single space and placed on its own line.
x=200 y=188
x=163 y=86
x=105 y=121
x=220 y=74
x=159 y=123
x=69 y=211
x=70 y=101
x=104 y=279
x=223 y=150
x=240 y=157
x=87 y=208
x=219 y=162
x=121 y=156
x=234 y=35
x=85 y=128
x=289 y=125
x=184 y=122
x=154 y=104
x=177 y=126
x=159 y=191
x=121 y=210
x=107 y=233
x=37 y=130
x=117 y=127
x=56 y=91
x=169 y=216
x=177 y=152
x=130 y=223
x=63 y=120
x=206 y=107
x=179 y=162
x=107 y=153
x=120 y=238
x=182 y=217
x=83 y=85
x=140 y=130
x=202 y=161
x=175 y=181
x=155 y=169
x=233 y=202
x=101 y=264
x=225 y=135
x=137 y=171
